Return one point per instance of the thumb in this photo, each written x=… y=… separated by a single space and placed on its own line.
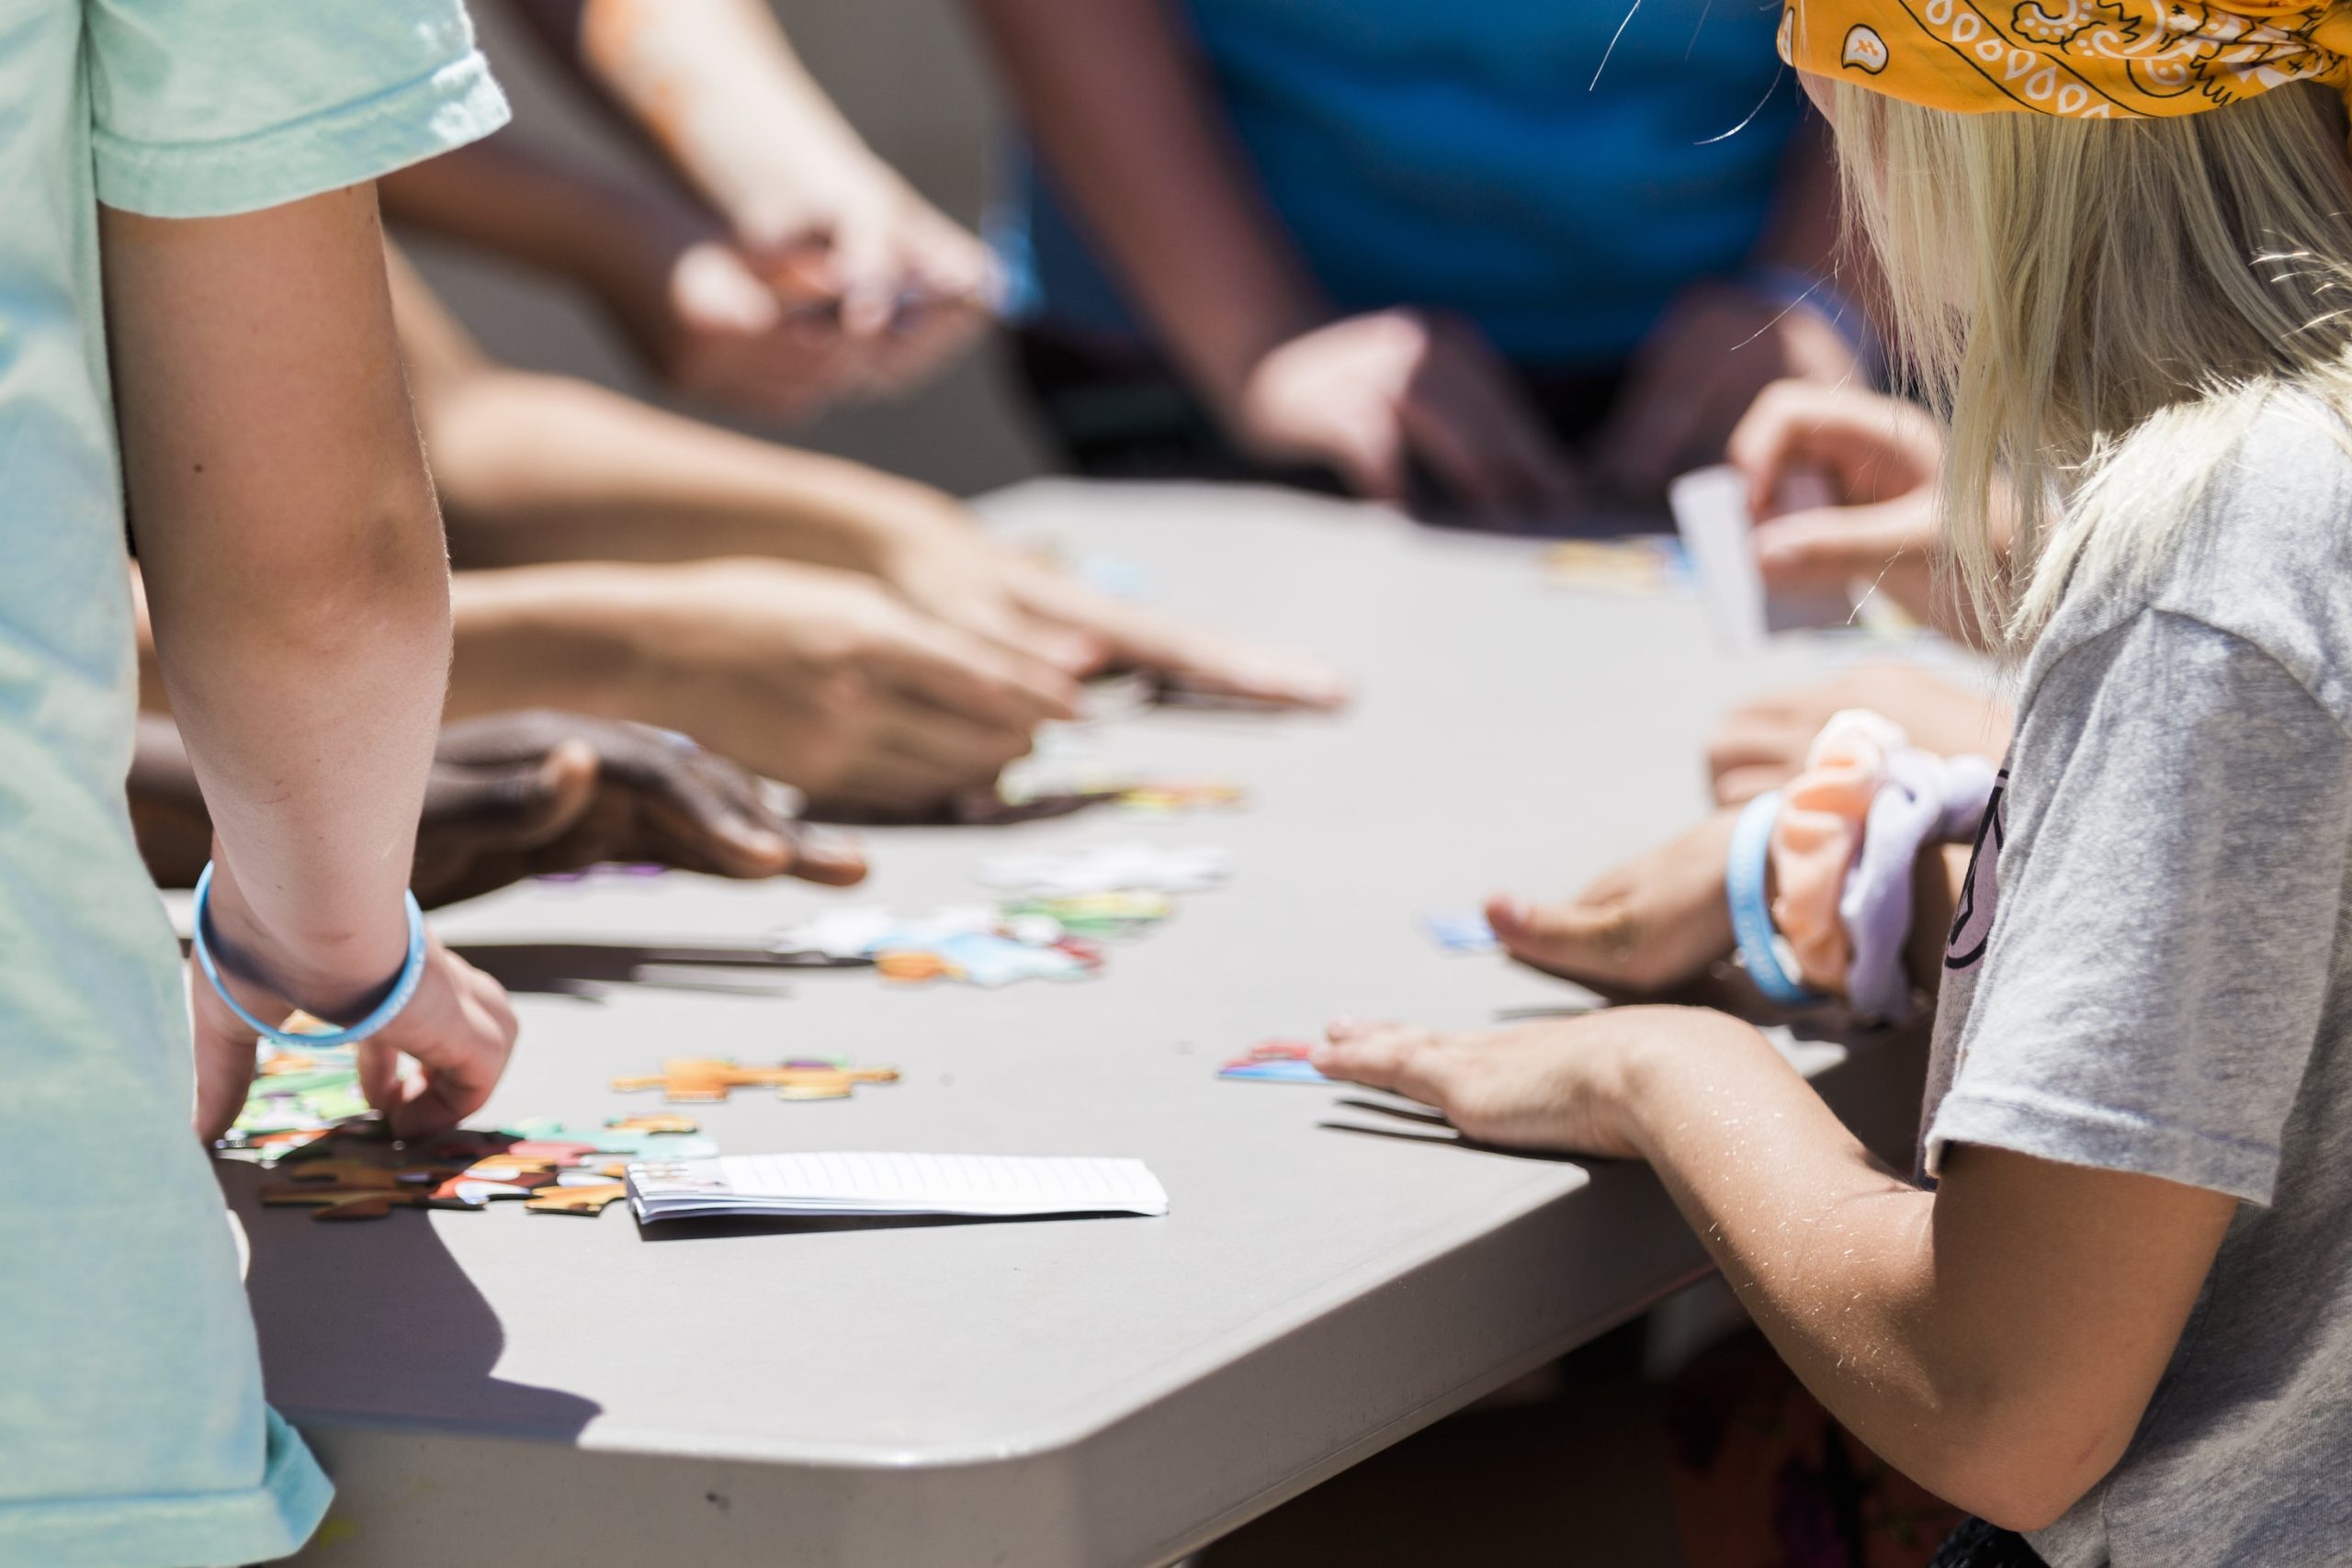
x=867 y=269
x=518 y=805
x=715 y=290
x=224 y=1065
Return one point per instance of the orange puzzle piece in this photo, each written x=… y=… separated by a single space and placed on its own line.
x=697 y=1080
x=590 y=1200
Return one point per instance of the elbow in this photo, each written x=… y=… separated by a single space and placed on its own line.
x=385 y=581
x=2027 y=1473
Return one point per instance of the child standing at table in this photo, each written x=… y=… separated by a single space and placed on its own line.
x=256 y=425
x=2118 y=1326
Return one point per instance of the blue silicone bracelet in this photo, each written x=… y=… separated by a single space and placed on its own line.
x=1761 y=949
x=404 y=989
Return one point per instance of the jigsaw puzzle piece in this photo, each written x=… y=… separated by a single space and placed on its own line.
x=587 y=1200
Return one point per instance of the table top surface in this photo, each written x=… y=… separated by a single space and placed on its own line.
x=1509 y=735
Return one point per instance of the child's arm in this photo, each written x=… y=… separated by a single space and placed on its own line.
x=299 y=593
x=825 y=267
x=294 y=568
x=1661 y=921
x=1998 y=1341
x=540 y=469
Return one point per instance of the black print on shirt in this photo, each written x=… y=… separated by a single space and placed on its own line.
x=1980 y=894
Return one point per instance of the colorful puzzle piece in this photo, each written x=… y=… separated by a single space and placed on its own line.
x=1100 y=915
x=1641 y=567
x=1278 y=1061
x=1460 y=932
x=975 y=943
x=685 y=1081
x=591 y=1200
x=297 y=1097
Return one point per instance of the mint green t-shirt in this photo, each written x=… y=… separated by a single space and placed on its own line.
x=132 y=1430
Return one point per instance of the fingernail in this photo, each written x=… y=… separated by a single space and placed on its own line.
x=763 y=844
x=829 y=843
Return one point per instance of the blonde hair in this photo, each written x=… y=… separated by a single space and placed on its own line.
x=2099 y=309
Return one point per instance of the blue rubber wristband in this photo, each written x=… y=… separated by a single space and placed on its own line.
x=404 y=989
x=1761 y=949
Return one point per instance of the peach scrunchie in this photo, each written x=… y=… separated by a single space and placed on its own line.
x=2076 y=58
x=1818 y=835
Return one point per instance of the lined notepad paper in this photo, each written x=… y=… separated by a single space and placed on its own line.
x=986 y=1186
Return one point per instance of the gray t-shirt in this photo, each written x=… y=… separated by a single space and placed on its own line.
x=2152 y=972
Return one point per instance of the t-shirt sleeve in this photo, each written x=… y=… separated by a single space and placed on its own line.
x=230 y=106
x=2170 y=890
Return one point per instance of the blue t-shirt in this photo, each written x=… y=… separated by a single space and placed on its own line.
x=1458 y=154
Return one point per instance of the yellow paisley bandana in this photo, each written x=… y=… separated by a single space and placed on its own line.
x=2082 y=59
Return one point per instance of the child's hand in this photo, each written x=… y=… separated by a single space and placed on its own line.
x=831 y=683
x=524 y=793
x=1883 y=456
x=1376 y=397
x=1644 y=927
x=458 y=1028
x=937 y=558
x=1183 y=653
x=1561 y=1085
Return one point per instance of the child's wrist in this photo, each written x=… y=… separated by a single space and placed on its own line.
x=337 y=978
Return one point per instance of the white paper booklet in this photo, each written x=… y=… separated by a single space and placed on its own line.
x=988 y=1185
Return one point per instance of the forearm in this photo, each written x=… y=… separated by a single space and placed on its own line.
x=1908 y=1329
x=717 y=85
x=553 y=636
x=614 y=240
x=1120 y=111
x=293 y=564
x=540 y=469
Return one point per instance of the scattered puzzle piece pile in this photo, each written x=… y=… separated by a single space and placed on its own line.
x=1061 y=907
x=359 y=1173
x=977 y=944
x=1065 y=764
x=297 y=1097
x=705 y=1080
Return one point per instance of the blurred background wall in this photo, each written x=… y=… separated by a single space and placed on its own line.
x=909 y=74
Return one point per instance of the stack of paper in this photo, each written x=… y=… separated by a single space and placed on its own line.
x=1711 y=510
x=988 y=1185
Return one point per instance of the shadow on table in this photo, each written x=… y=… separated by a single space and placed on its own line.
x=833 y=1224
x=399 y=1335
x=585 y=970
x=1423 y=1125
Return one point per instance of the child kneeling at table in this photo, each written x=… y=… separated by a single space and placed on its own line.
x=2113 y=1314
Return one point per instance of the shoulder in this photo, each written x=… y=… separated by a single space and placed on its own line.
x=2264 y=559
